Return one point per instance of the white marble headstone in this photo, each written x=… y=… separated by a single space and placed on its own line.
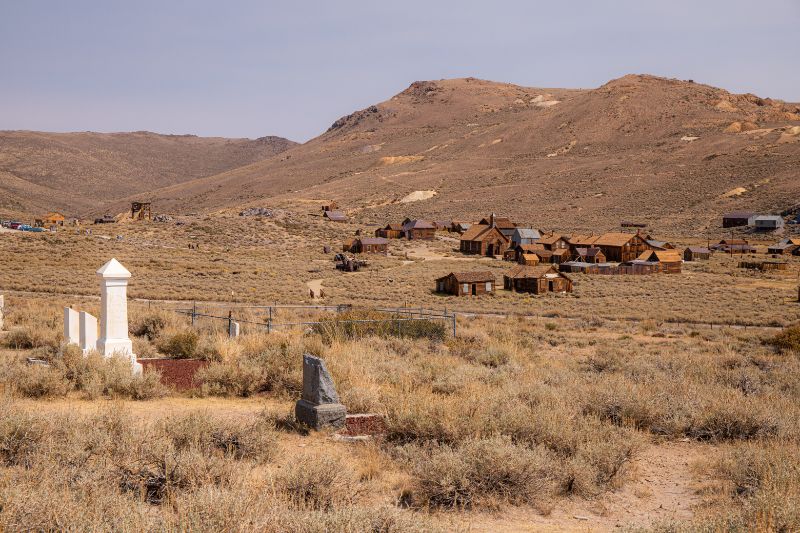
x=71 y=326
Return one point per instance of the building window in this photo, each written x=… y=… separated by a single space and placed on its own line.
x=465 y=288
x=488 y=286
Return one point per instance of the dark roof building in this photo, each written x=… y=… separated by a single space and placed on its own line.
x=466 y=283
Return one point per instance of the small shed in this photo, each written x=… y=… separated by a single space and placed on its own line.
x=419 y=230
x=529 y=259
x=768 y=222
x=460 y=227
x=330 y=206
x=696 y=253
x=525 y=236
x=579 y=266
x=366 y=245
x=536 y=279
x=784 y=247
x=390 y=231
x=335 y=216
x=738 y=218
x=466 y=283
x=670 y=260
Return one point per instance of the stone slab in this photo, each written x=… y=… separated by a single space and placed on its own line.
x=320 y=416
x=318 y=387
x=88 y=332
x=71 y=326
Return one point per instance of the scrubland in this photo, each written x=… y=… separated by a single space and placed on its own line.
x=514 y=413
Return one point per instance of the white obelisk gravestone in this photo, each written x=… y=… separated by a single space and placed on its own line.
x=114 y=313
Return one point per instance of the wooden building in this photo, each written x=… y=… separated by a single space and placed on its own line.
x=579 y=266
x=466 y=283
x=335 y=216
x=655 y=244
x=734 y=246
x=460 y=226
x=366 y=245
x=738 y=218
x=696 y=253
x=670 y=260
x=485 y=240
x=621 y=247
x=536 y=279
x=50 y=219
x=504 y=224
x=529 y=259
x=553 y=242
x=330 y=206
x=525 y=236
x=419 y=230
x=390 y=231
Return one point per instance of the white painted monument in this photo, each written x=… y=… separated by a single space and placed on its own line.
x=114 y=313
x=88 y=332
x=233 y=330
x=71 y=326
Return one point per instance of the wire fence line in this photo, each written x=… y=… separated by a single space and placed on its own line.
x=399 y=316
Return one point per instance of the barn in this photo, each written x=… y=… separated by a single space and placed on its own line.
x=466 y=283
x=670 y=260
x=696 y=253
x=738 y=218
x=621 y=247
x=419 y=230
x=536 y=279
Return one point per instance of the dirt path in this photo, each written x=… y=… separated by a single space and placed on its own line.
x=315 y=285
x=662 y=486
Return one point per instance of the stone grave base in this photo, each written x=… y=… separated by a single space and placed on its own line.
x=319 y=416
x=364 y=424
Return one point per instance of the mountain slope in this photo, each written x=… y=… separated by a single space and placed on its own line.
x=664 y=151
x=77 y=172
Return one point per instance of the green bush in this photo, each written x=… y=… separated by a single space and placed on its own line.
x=180 y=345
x=787 y=340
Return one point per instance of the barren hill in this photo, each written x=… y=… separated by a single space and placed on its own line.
x=669 y=152
x=78 y=172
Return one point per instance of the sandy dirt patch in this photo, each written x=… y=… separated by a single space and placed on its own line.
x=315 y=286
x=738 y=191
x=399 y=160
x=417 y=196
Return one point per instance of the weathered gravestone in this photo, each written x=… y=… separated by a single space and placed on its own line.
x=71 y=326
x=319 y=405
x=88 y=332
x=114 y=313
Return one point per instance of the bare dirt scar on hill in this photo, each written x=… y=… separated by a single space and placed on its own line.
x=662 y=487
x=316 y=286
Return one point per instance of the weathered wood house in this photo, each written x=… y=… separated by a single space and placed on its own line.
x=670 y=260
x=621 y=247
x=529 y=259
x=485 y=240
x=592 y=254
x=466 y=283
x=696 y=253
x=536 y=279
x=784 y=247
x=390 y=231
x=738 y=218
x=553 y=242
x=734 y=246
x=419 y=229
x=330 y=206
x=367 y=245
x=460 y=226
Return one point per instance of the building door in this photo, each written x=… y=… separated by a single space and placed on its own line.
x=474 y=290
x=490 y=250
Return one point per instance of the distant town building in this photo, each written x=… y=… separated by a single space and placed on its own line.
x=738 y=218
x=466 y=283
x=768 y=222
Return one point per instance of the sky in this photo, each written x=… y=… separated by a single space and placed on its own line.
x=256 y=68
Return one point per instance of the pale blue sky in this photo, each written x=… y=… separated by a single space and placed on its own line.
x=254 y=68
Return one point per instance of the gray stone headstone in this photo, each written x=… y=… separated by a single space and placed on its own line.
x=319 y=405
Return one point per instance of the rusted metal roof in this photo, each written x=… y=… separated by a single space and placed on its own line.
x=530 y=271
x=550 y=239
x=418 y=224
x=335 y=215
x=661 y=256
x=478 y=276
x=614 y=239
x=374 y=240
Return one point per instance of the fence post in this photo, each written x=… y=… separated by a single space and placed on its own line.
x=194 y=311
x=269 y=321
x=230 y=322
x=454 y=323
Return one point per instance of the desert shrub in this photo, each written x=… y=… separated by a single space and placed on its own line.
x=480 y=472
x=182 y=344
x=150 y=323
x=362 y=323
x=32 y=336
x=36 y=381
x=788 y=340
x=317 y=482
x=236 y=438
